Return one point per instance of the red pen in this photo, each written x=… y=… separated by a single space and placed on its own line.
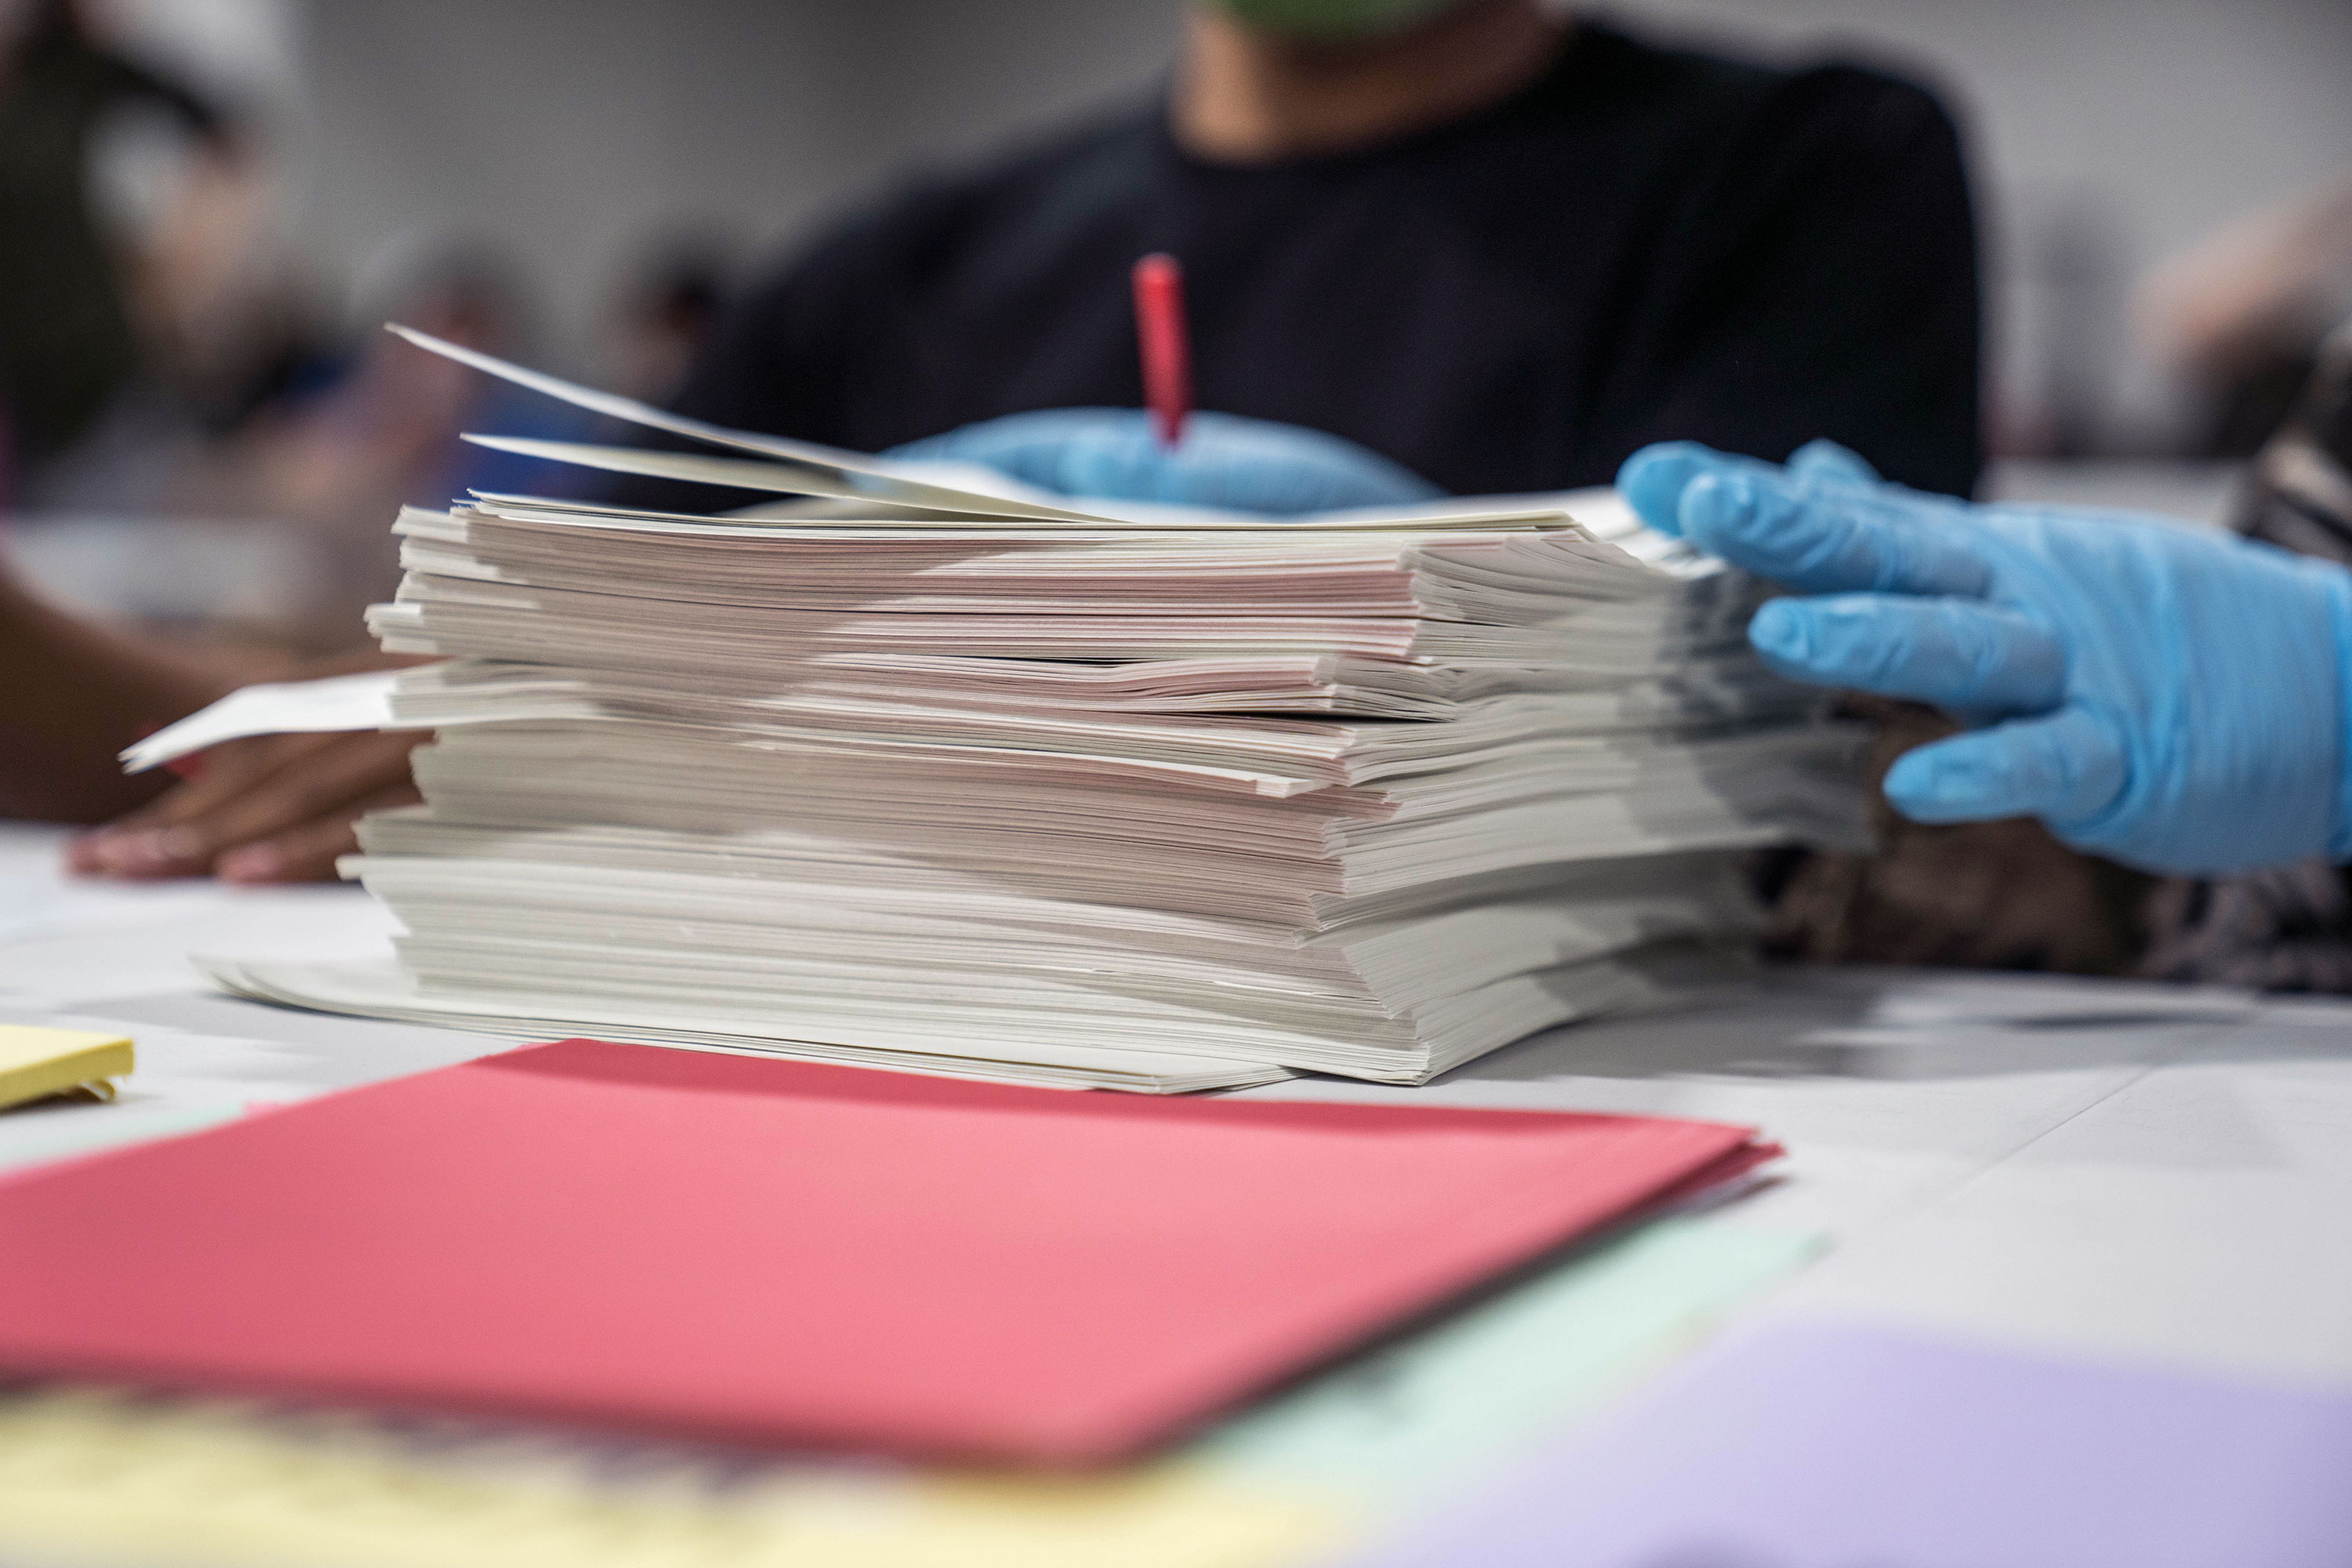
x=1166 y=348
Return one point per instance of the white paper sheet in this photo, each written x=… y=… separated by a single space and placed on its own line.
x=806 y=469
x=338 y=702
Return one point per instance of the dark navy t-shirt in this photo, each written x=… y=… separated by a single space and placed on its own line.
x=1644 y=244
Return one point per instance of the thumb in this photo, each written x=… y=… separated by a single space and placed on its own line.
x=2065 y=767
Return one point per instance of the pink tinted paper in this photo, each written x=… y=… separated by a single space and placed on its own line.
x=780 y=1252
x=1827 y=1447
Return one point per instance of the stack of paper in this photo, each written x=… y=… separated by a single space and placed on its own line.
x=924 y=775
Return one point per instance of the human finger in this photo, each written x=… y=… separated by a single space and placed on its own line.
x=2067 y=767
x=1830 y=541
x=1959 y=654
x=358 y=766
x=308 y=783
x=158 y=840
x=231 y=767
x=308 y=852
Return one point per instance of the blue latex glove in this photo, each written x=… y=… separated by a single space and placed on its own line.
x=2168 y=698
x=1241 y=465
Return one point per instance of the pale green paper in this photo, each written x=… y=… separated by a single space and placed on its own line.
x=36 y=1137
x=1408 y=1422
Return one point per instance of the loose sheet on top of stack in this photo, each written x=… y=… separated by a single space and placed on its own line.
x=916 y=773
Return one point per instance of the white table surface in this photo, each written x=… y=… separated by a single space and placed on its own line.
x=2126 y=1171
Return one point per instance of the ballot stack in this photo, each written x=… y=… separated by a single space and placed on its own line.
x=1162 y=801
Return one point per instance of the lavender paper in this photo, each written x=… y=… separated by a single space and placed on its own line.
x=1826 y=1446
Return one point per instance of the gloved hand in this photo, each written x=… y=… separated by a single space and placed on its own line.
x=2168 y=698
x=1241 y=465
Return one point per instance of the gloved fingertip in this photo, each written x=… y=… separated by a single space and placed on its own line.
x=1823 y=461
x=1653 y=481
x=1715 y=505
x=1781 y=630
x=1928 y=788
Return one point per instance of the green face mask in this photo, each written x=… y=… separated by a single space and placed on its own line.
x=1333 y=18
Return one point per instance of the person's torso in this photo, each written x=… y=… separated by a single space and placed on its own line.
x=1472 y=302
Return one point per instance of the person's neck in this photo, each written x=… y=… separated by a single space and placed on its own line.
x=1243 y=96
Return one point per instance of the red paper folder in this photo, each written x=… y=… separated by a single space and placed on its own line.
x=753 y=1249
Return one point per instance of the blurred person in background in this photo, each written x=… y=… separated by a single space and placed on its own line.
x=663 y=314
x=134 y=268
x=84 y=310
x=1495 y=246
x=380 y=427
x=2239 y=317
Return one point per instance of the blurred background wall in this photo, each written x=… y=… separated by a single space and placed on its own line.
x=570 y=133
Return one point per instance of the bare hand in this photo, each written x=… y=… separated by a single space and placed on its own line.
x=273 y=808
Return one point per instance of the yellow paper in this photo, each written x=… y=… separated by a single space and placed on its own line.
x=102 y=1476
x=37 y=1063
